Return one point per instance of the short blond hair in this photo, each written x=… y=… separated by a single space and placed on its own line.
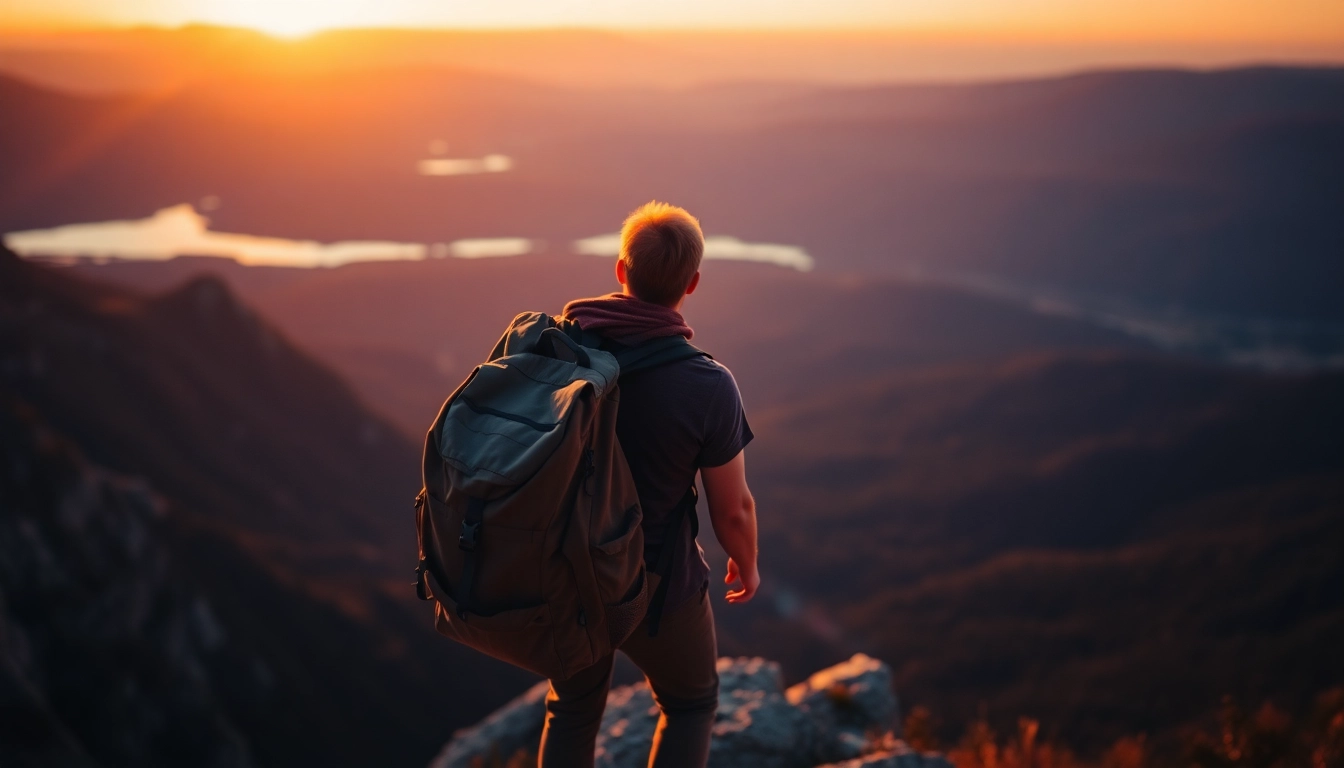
x=661 y=247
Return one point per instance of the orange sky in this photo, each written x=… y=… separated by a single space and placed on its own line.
x=1281 y=21
x=120 y=45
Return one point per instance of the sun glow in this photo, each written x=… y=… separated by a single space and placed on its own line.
x=291 y=19
x=1189 y=20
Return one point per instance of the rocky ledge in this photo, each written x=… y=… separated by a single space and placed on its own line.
x=841 y=717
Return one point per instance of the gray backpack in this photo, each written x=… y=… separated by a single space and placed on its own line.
x=529 y=522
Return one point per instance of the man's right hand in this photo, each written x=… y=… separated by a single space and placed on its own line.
x=750 y=579
x=732 y=512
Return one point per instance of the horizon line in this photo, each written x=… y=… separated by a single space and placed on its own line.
x=944 y=34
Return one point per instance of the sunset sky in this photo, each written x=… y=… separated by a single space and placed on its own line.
x=1282 y=21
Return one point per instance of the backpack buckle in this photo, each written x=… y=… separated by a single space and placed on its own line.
x=469 y=536
x=422 y=590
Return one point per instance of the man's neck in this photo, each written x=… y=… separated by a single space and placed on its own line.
x=625 y=289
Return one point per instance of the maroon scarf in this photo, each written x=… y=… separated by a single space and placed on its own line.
x=626 y=319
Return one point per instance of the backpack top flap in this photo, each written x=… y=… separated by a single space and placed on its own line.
x=513 y=412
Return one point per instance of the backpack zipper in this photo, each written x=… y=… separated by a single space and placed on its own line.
x=483 y=410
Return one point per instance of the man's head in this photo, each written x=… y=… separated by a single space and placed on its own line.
x=661 y=248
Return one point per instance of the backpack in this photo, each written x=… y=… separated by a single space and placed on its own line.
x=529 y=522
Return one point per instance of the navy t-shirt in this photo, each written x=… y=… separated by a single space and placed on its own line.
x=673 y=420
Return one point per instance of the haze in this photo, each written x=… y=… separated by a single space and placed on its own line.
x=1237 y=19
x=627 y=43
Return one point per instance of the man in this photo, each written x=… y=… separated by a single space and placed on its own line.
x=673 y=421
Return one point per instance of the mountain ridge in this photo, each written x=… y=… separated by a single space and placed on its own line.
x=291 y=529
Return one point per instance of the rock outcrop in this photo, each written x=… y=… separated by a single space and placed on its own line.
x=850 y=706
x=842 y=716
x=511 y=729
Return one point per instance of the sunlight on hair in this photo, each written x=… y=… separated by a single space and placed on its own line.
x=717 y=247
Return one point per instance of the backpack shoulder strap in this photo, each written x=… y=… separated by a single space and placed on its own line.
x=684 y=510
x=632 y=359
x=522 y=334
x=660 y=351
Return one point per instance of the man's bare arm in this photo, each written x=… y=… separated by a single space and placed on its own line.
x=732 y=512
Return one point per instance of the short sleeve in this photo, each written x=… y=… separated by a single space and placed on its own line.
x=726 y=431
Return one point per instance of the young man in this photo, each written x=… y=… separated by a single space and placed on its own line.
x=673 y=421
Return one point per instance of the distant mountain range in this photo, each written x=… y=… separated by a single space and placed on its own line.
x=1206 y=194
x=1099 y=539
x=134 y=59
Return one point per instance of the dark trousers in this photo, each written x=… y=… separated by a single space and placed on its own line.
x=680 y=666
